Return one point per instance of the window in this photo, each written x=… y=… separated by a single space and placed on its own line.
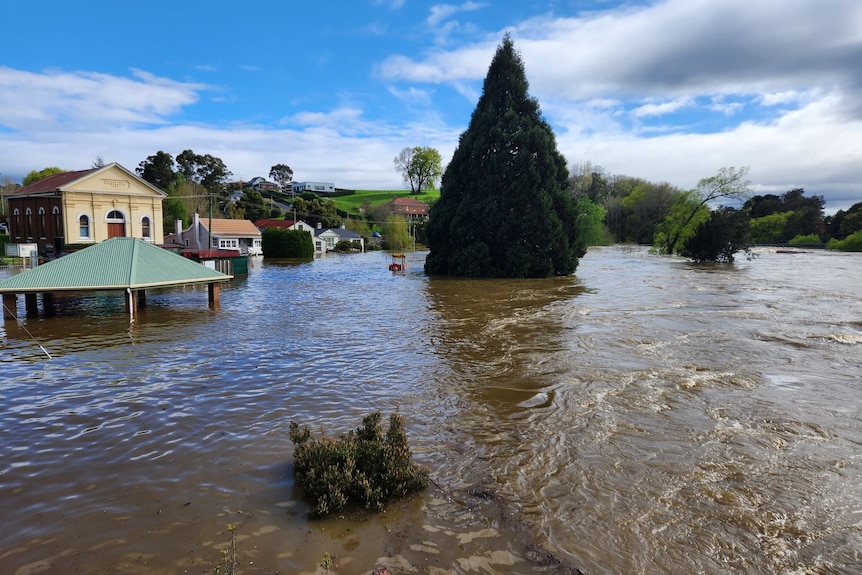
x=41 y=223
x=145 y=227
x=17 y=218
x=116 y=215
x=58 y=229
x=28 y=223
x=228 y=244
x=84 y=226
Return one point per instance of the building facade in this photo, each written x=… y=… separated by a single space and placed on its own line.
x=85 y=207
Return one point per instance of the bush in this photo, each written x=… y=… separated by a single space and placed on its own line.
x=852 y=243
x=363 y=467
x=807 y=240
x=281 y=243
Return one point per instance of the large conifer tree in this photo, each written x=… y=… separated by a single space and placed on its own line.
x=504 y=208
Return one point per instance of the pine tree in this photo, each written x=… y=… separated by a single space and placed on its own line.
x=504 y=208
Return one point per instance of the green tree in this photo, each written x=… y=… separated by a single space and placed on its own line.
x=719 y=237
x=504 y=208
x=282 y=174
x=769 y=229
x=420 y=167
x=158 y=170
x=590 y=223
x=686 y=215
x=35 y=176
x=396 y=234
x=206 y=171
x=253 y=205
x=313 y=211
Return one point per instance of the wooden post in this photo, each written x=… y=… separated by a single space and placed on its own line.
x=213 y=295
x=142 y=298
x=31 y=304
x=10 y=305
x=48 y=304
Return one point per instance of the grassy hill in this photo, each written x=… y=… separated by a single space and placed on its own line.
x=351 y=203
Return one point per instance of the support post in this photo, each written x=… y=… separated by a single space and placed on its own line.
x=142 y=298
x=213 y=289
x=10 y=305
x=31 y=304
x=48 y=304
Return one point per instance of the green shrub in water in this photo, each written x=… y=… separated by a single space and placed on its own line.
x=363 y=467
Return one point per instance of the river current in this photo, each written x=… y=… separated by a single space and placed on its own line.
x=644 y=416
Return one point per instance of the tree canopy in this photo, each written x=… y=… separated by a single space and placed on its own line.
x=35 y=176
x=282 y=174
x=504 y=207
x=420 y=167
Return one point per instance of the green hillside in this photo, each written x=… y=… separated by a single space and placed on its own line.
x=371 y=198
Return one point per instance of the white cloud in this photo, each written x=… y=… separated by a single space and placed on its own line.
x=81 y=99
x=442 y=12
x=663 y=108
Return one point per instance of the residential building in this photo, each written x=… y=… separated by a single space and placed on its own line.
x=219 y=233
x=85 y=207
x=326 y=239
x=316 y=187
x=410 y=208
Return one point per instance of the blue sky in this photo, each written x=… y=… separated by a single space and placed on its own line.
x=667 y=90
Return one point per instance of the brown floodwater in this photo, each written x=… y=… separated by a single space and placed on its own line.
x=644 y=416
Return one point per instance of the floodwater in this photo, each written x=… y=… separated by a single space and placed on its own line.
x=645 y=416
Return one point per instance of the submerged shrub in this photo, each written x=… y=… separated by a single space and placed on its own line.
x=362 y=467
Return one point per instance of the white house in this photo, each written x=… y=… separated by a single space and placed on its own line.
x=239 y=235
x=316 y=187
x=326 y=239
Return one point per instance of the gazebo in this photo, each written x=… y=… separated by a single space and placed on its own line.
x=119 y=264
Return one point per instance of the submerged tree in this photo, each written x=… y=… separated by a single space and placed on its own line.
x=504 y=208
x=692 y=209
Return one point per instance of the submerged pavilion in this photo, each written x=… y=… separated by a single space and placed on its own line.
x=122 y=264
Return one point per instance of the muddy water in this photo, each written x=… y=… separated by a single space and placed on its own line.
x=644 y=416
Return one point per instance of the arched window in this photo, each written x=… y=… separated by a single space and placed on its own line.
x=84 y=226
x=145 y=228
x=28 y=223
x=17 y=217
x=116 y=215
x=41 y=223
x=58 y=228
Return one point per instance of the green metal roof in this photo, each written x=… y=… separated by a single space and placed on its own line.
x=115 y=264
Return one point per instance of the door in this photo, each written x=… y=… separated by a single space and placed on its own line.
x=116 y=224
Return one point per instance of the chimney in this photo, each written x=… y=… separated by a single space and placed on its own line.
x=179 y=231
x=319 y=225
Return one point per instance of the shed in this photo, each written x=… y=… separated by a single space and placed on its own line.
x=119 y=264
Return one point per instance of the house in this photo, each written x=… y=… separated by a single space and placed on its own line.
x=239 y=235
x=316 y=187
x=85 y=207
x=285 y=225
x=326 y=239
x=410 y=208
x=262 y=185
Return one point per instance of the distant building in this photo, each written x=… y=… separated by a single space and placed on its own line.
x=316 y=187
x=326 y=239
x=410 y=208
x=262 y=185
x=239 y=235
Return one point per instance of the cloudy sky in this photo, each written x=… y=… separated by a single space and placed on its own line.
x=667 y=90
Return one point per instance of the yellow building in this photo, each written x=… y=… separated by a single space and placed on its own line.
x=85 y=207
